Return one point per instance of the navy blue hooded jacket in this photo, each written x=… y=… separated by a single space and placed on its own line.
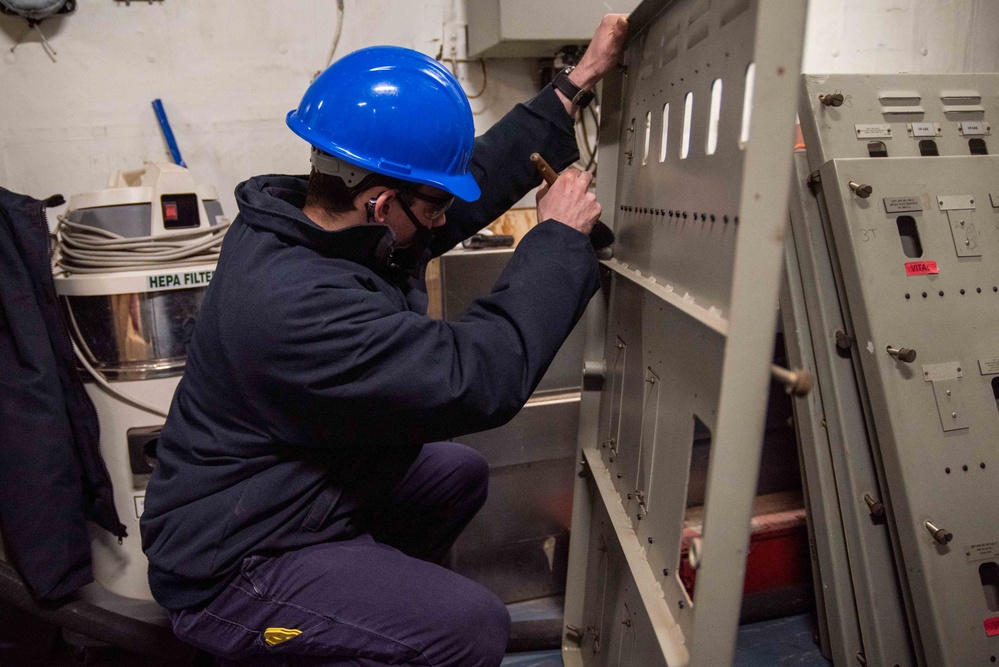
x=308 y=358
x=52 y=477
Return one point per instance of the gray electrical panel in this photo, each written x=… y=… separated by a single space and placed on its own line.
x=695 y=146
x=531 y=29
x=894 y=293
x=854 y=568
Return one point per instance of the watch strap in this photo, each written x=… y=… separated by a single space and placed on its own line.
x=579 y=97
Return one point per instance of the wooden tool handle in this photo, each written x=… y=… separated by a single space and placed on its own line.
x=547 y=172
x=601 y=237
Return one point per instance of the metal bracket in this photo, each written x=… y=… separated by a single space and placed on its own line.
x=953 y=412
x=965 y=232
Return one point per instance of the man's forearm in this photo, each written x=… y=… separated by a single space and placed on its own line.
x=603 y=53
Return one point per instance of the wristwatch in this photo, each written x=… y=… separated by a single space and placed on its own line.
x=579 y=97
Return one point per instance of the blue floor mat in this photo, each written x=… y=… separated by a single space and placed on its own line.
x=533 y=659
x=782 y=641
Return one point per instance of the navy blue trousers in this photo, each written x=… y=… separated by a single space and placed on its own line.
x=377 y=597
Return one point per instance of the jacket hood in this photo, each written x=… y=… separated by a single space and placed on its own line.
x=274 y=203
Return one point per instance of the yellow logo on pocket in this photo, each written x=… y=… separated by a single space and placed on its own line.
x=274 y=636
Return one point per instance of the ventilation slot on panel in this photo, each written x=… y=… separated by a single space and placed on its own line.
x=734 y=9
x=900 y=102
x=698 y=10
x=898 y=98
x=670 y=43
x=696 y=34
x=747 y=106
x=978 y=147
x=665 y=135
x=877 y=149
x=688 y=108
x=965 y=97
x=714 y=116
x=697 y=23
x=648 y=137
x=909 y=235
x=928 y=148
x=962 y=101
x=989 y=575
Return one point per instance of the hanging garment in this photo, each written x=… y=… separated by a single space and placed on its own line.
x=52 y=477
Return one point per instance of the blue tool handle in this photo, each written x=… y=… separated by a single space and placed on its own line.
x=167 y=132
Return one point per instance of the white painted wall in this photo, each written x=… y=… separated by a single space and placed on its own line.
x=915 y=36
x=229 y=70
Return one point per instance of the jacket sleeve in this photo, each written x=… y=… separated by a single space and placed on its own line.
x=501 y=164
x=371 y=373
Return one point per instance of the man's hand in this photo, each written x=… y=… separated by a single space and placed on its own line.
x=603 y=53
x=568 y=201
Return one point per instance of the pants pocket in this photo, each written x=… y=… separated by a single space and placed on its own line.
x=219 y=636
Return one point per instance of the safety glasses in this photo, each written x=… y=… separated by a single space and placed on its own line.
x=437 y=206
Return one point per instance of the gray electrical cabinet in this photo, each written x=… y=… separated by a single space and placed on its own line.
x=517 y=545
x=894 y=293
x=531 y=29
x=696 y=146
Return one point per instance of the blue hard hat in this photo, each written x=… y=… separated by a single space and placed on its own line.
x=392 y=111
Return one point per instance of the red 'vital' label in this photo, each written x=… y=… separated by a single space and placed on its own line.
x=920 y=268
x=992 y=626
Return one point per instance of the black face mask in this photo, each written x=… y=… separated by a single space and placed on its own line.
x=408 y=259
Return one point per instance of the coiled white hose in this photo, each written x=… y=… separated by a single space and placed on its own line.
x=85 y=249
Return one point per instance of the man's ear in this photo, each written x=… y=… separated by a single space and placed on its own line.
x=377 y=205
